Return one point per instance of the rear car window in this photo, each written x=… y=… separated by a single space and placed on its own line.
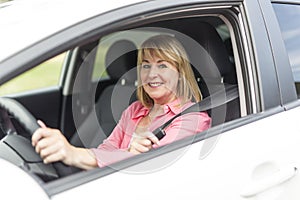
x=288 y=17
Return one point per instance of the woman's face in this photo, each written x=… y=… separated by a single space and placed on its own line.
x=159 y=79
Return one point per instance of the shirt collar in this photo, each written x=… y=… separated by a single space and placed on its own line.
x=141 y=112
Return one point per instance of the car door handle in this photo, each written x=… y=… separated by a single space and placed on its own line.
x=280 y=176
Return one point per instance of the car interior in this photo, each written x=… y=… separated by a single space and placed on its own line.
x=93 y=108
x=212 y=64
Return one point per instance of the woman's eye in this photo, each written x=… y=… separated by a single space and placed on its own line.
x=146 y=66
x=162 y=66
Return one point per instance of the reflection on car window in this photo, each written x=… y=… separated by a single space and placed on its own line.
x=288 y=17
x=44 y=75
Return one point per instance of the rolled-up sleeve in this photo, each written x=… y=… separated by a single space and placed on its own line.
x=111 y=151
x=107 y=154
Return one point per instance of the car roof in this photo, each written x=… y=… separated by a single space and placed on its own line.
x=25 y=22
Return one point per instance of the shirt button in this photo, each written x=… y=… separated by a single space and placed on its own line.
x=166 y=108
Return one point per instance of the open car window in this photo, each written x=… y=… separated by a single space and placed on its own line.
x=211 y=45
x=113 y=75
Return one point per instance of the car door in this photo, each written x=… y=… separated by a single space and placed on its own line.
x=252 y=157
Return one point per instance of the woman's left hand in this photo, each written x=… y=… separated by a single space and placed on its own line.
x=142 y=142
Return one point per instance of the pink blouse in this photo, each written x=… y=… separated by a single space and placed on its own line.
x=114 y=148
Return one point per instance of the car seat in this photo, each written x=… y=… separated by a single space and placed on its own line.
x=121 y=61
x=212 y=66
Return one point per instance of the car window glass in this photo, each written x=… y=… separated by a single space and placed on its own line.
x=46 y=74
x=288 y=18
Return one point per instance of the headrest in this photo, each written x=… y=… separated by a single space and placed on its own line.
x=210 y=56
x=120 y=58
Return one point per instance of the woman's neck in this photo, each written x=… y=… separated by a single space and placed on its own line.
x=157 y=108
x=163 y=101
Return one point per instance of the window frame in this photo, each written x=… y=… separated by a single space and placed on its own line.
x=71 y=181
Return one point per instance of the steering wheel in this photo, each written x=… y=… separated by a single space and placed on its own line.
x=21 y=146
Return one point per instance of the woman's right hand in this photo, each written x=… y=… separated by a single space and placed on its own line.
x=52 y=145
x=142 y=142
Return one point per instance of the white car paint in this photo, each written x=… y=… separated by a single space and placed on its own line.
x=17 y=184
x=28 y=21
x=256 y=152
x=241 y=158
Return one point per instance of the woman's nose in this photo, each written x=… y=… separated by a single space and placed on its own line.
x=153 y=72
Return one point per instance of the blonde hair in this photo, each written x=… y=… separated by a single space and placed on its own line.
x=169 y=48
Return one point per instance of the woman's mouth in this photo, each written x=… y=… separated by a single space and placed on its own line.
x=155 y=84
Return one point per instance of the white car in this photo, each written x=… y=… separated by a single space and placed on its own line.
x=72 y=64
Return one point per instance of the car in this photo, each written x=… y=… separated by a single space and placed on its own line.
x=72 y=64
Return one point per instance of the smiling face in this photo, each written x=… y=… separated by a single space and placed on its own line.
x=164 y=72
x=159 y=79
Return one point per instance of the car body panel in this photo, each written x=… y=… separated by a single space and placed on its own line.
x=20 y=182
x=223 y=174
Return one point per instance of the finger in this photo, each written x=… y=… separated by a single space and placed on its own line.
x=145 y=142
x=53 y=158
x=140 y=148
x=44 y=143
x=133 y=150
x=152 y=138
x=39 y=134
x=41 y=123
x=49 y=150
x=54 y=152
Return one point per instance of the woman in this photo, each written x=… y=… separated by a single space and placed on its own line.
x=166 y=87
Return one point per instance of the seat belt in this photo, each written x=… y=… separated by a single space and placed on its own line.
x=210 y=102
